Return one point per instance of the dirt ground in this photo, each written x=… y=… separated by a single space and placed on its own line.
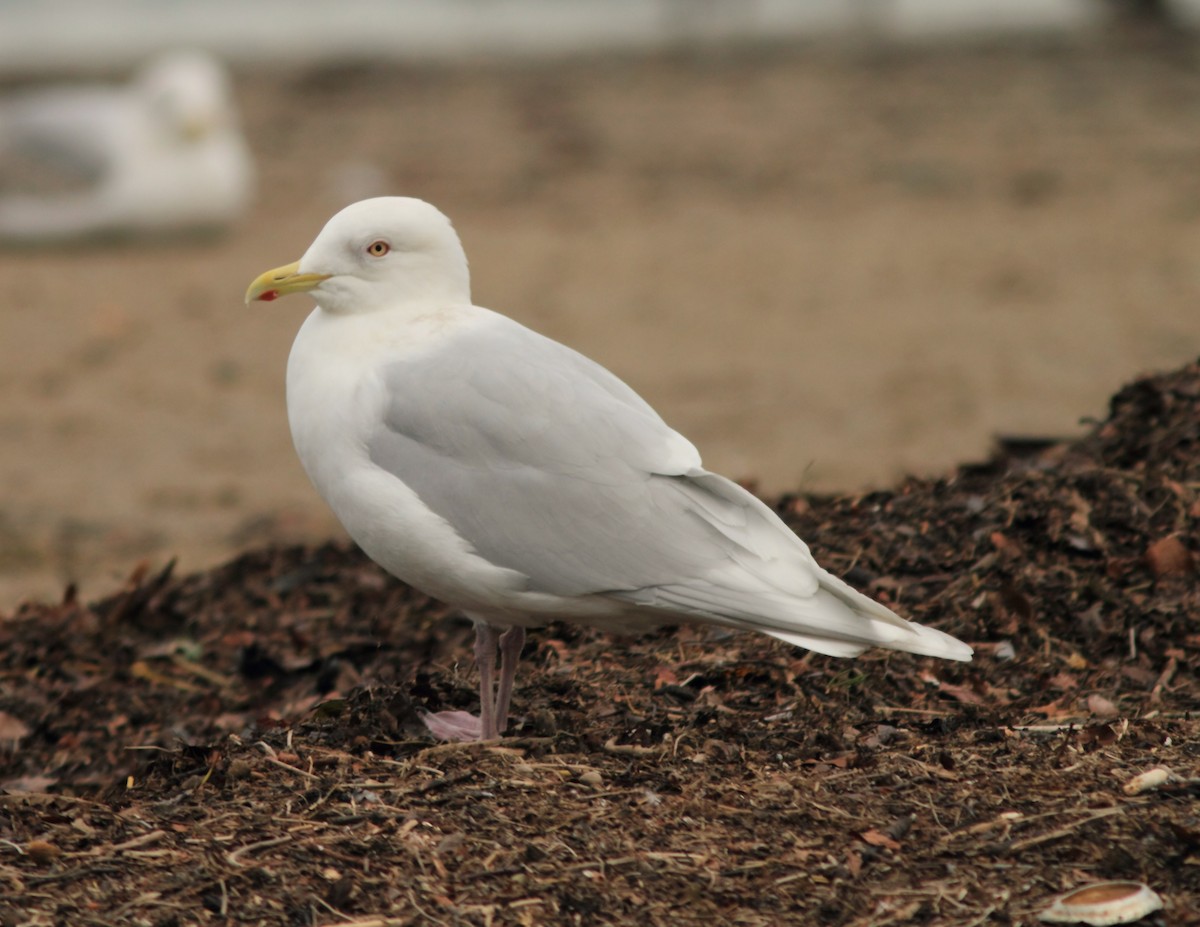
x=827 y=268
x=241 y=746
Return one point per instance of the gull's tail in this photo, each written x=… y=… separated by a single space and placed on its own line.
x=847 y=608
x=769 y=582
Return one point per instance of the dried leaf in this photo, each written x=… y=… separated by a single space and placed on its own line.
x=962 y=694
x=1169 y=556
x=28 y=783
x=1102 y=707
x=12 y=728
x=879 y=839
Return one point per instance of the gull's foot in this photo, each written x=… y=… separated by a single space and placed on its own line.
x=455 y=726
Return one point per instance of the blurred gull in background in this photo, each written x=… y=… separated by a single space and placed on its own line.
x=163 y=154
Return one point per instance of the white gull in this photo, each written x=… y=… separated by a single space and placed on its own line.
x=511 y=477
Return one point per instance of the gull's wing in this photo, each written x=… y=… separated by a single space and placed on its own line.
x=72 y=130
x=547 y=464
x=542 y=460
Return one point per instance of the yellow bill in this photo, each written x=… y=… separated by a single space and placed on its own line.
x=280 y=282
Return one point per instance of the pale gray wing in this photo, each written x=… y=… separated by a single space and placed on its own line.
x=548 y=464
x=72 y=130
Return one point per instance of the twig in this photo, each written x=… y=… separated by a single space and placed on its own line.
x=273 y=758
x=70 y=875
x=1066 y=831
x=1164 y=679
x=232 y=857
x=937 y=772
x=987 y=913
x=327 y=906
x=611 y=746
x=152 y=837
x=412 y=898
x=292 y=769
x=601 y=864
x=443 y=783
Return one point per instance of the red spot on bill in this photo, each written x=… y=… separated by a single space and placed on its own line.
x=269 y=295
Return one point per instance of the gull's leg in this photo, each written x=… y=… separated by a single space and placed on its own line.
x=486 y=641
x=511 y=642
x=460 y=725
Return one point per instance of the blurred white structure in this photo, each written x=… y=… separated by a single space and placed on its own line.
x=35 y=35
x=161 y=154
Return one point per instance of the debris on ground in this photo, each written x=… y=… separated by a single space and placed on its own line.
x=243 y=745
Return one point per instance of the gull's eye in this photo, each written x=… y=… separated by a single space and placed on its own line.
x=378 y=248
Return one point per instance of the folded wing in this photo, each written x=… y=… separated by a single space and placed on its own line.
x=547 y=464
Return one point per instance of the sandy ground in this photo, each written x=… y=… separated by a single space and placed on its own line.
x=825 y=268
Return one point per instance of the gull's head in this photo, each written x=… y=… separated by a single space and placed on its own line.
x=189 y=96
x=381 y=253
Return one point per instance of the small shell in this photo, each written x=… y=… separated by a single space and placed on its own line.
x=1103 y=903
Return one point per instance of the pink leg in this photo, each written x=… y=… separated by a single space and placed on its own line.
x=486 y=640
x=511 y=642
x=460 y=725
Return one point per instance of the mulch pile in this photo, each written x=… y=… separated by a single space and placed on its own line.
x=242 y=746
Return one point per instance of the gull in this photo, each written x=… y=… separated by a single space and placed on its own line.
x=163 y=154
x=518 y=481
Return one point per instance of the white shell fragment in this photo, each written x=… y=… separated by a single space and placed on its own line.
x=1145 y=782
x=1103 y=903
